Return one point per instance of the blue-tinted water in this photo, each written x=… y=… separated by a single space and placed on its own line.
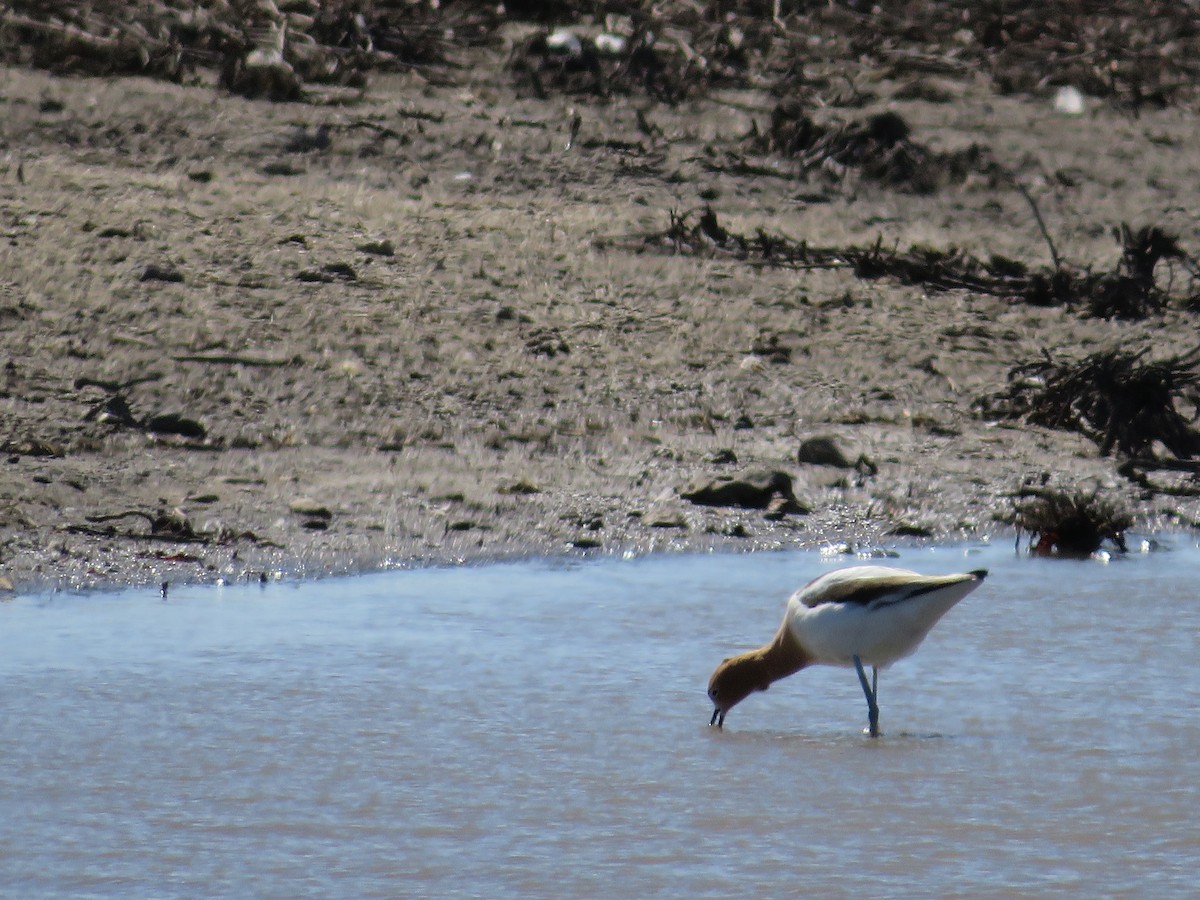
x=541 y=730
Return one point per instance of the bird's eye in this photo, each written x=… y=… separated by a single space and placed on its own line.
x=713 y=693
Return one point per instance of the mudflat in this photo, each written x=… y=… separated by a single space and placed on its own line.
x=454 y=319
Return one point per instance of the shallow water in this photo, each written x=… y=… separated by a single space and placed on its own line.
x=541 y=730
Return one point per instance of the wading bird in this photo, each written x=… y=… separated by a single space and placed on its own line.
x=863 y=615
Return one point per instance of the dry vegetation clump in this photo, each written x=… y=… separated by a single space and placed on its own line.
x=700 y=233
x=1132 y=53
x=1130 y=291
x=1116 y=398
x=1075 y=523
x=258 y=48
x=587 y=60
x=879 y=148
x=1129 y=52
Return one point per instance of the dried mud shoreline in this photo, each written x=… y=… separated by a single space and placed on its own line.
x=436 y=321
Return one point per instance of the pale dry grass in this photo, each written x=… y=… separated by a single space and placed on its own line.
x=433 y=351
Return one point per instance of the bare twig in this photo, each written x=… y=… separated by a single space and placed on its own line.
x=1037 y=214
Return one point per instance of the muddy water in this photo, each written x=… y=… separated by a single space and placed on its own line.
x=541 y=730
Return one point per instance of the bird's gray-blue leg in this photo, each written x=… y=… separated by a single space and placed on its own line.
x=870 y=692
x=875 y=694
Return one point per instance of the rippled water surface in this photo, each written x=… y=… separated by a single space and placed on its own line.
x=541 y=730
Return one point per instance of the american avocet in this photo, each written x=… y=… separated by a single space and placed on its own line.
x=871 y=615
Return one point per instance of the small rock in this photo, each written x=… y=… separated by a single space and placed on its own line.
x=609 y=44
x=666 y=518
x=286 y=169
x=165 y=272
x=823 y=451
x=305 y=506
x=564 y=43
x=175 y=423
x=378 y=248
x=755 y=489
x=1069 y=101
x=344 y=271
x=908 y=529
x=520 y=487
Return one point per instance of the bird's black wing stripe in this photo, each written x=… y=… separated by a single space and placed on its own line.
x=882 y=591
x=900 y=595
x=859 y=594
x=916 y=591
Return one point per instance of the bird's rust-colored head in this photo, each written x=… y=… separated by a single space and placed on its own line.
x=735 y=679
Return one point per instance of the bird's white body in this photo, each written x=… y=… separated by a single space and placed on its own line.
x=863 y=615
x=875 y=613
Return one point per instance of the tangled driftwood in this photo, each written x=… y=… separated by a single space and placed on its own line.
x=1069 y=523
x=1129 y=291
x=1117 y=398
x=879 y=148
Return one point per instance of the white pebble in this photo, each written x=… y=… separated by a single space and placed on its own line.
x=1069 y=101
